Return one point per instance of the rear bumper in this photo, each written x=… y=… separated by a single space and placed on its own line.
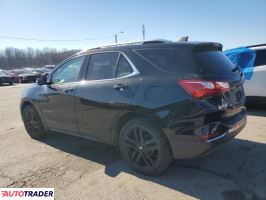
x=191 y=146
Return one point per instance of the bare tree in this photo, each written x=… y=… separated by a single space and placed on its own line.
x=11 y=58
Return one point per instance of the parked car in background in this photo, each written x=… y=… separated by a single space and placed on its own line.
x=43 y=70
x=49 y=66
x=25 y=75
x=5 y=77
x=15 y=73
x=158 y=100
x=251 y=60
x=29 y=75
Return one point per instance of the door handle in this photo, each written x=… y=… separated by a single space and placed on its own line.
x=119 y=86
x=68 y=90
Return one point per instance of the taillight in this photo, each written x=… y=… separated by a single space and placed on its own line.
x=204 y=88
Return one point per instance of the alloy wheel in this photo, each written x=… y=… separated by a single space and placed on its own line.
x=31 y=122
x=142 y=148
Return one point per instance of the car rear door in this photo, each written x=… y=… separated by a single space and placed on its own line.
x=108 y=87
x=57 y=98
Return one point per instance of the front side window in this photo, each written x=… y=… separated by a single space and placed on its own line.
x=69 y=71
x=123 y=67
x=102 y=66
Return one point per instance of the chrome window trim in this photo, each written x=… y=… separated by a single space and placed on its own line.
x=134 y=73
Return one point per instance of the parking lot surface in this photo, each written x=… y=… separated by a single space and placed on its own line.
x=82 y=169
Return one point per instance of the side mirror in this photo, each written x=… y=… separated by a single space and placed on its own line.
x=41 y=81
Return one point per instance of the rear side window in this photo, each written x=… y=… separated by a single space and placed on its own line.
x=183 y=60
x=102 y=66
x=260 y=58
x=123 y=67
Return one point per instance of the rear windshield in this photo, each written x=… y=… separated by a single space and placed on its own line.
x=183 y=60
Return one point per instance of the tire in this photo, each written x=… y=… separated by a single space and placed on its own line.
x=33 y=123
x=144 y=147
x=11 y=83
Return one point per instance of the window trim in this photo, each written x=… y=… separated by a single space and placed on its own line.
x=134 y=68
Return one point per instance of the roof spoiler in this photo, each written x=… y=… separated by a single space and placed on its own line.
x=208 y=46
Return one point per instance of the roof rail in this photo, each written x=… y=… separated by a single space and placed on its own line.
x=256 y=45
x=157 y=41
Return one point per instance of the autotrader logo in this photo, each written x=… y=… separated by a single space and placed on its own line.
x=27 y=193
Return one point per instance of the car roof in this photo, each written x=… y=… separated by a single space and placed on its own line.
x=161 y=43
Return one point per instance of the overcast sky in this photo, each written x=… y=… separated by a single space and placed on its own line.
x=231 y=22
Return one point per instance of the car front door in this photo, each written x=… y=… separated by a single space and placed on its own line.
x=58 y=97
x=109 y=87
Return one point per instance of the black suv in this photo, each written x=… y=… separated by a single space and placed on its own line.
x=155 y=100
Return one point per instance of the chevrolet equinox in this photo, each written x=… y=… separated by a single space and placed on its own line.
x=155 y=100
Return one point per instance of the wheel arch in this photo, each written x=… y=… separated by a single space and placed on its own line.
x=26 y=103
x=119 y=124
x=128 y=116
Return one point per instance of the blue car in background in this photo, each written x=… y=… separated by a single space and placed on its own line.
x=251 y=60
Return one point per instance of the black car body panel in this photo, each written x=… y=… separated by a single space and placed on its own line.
x=97 y=109
x=29 y=77
x=6 y=79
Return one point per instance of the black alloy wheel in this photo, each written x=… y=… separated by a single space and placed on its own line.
x=144 y=147
x=33 y=123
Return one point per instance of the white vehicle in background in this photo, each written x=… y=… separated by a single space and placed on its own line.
x=256 y=87
x=252 y=62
